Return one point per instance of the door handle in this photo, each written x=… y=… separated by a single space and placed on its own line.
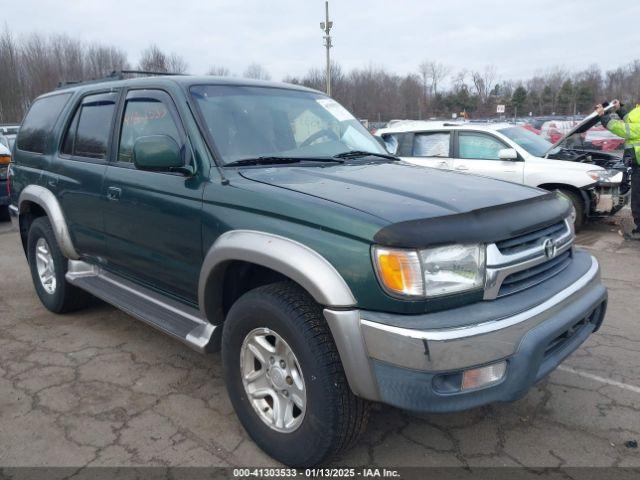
x=461 y=168
x=443 y=165
x=113 y=194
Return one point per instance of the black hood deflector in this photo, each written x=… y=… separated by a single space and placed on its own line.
x=486 y=225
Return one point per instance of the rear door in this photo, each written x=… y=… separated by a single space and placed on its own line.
x=153 y=219
x=478 y=153
x=431 y=149
x=80 y=166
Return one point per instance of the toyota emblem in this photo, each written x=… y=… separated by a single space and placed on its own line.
x=550 y=247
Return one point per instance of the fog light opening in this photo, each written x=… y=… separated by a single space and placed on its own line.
x=483 y=376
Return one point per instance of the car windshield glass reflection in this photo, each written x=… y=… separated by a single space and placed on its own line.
x=254 y=122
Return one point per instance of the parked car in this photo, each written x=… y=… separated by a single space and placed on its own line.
x=515 y=154
x=262 y=219
x=5 y=159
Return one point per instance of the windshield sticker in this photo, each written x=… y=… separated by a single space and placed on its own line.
x=334 y=108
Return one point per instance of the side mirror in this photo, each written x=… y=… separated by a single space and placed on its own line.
x=508 y=154
x=157 y=153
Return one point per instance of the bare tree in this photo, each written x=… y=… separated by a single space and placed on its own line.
x=256 y=71
x=484 y=82
x=433 y=74
x=155 y=60
x=219 y=71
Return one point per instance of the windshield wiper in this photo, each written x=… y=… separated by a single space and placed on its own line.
x=278 y=160
x=362 y=153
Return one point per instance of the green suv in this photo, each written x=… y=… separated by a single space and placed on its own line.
x=262 y=219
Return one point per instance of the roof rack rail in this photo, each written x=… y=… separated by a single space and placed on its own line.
x=115 y=75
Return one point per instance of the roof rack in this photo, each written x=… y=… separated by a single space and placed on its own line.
x=116 y=75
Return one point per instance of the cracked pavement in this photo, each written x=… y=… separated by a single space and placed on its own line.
x=98 y=388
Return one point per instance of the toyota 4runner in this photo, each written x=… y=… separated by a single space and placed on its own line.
x=263 y=219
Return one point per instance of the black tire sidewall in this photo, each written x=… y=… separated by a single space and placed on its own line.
x=41 y=228
x=578 y=203
x=312 y=440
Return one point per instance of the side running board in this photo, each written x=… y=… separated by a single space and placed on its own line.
x=185 y=323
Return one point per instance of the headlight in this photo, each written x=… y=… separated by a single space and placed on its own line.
x=431 y=272
x=606 y=176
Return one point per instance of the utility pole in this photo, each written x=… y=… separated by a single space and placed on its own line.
x=326 y=27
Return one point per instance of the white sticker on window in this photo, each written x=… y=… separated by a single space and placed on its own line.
x=334 y=108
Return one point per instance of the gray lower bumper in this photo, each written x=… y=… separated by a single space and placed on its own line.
x=400 y=366
x=13 y=214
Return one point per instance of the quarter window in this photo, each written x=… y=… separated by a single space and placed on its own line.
x=144 y=117
x=88 y=132
x=37 y=125
x=479 y=146
x=434 y=144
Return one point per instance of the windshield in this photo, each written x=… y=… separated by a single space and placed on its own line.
x=532 y=143
x=250 y=122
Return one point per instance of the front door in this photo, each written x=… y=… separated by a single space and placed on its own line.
x=153 y=219
x=479 y=153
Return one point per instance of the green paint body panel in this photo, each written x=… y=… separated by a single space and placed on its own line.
x=161 y=225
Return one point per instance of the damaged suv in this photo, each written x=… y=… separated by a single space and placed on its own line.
x=262 y=219
x=597 y=183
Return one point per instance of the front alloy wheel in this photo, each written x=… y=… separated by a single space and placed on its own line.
x=273 y=380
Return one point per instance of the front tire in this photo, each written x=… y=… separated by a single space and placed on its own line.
x=48 y=269
x=276 y=346
x=578 y=206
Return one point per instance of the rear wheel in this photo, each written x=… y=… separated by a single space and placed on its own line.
x=4 y=213
x=285 y=378
x=578 y=214
x=48 y=269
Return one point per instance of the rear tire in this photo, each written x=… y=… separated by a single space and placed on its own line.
x=48 y=269
x=578 y=205
x=333 y=417
x=4 y=214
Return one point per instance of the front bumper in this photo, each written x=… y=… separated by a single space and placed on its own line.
x=4 y=198
x=412 y=368
x=608 y=200
x=13 y=215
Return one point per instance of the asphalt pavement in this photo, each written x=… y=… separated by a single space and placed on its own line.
x=98 y=388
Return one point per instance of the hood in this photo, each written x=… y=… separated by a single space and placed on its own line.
x=395 y=192
x=421 y=206
x=582 y=126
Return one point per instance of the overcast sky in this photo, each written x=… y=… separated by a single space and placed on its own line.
x=519 y=37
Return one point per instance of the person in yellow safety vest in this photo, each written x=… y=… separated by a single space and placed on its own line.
x=628 y=127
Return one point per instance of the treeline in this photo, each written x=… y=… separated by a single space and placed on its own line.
x=32 y=65
x=378 y=95
x=36 y=64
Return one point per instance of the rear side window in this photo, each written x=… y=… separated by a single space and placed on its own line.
x=37 y=125
x=88 y=133
x=434 y=144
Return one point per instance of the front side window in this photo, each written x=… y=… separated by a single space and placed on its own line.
x=88 y=133
x=432 y=144
x=144 y=117
x=36 y=128
x=479 y=146
x=248 y=122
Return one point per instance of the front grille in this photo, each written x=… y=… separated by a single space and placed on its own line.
x=532 y=276
x=524 y=242
x=529 y=259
